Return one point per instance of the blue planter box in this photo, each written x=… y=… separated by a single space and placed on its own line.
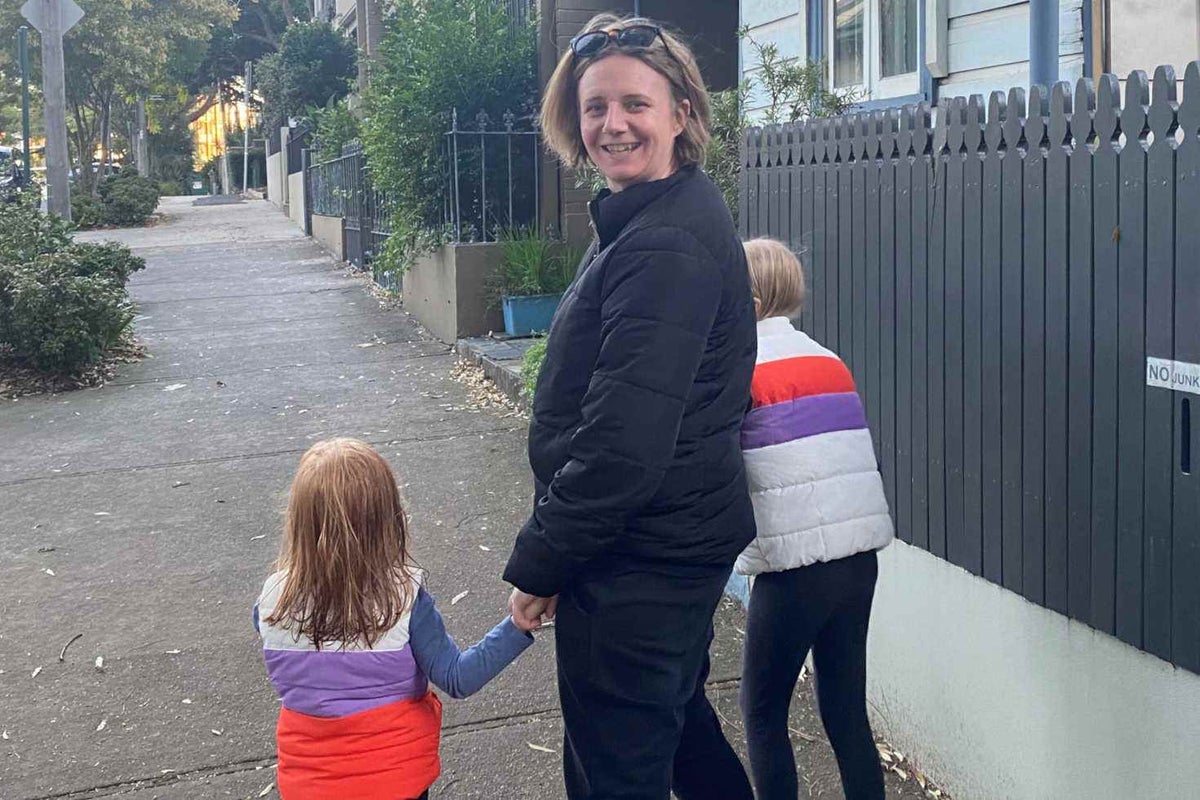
x=529 y=314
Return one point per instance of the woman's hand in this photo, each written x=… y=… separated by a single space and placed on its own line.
x=528 y=611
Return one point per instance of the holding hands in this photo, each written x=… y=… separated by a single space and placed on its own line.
x=530 y=612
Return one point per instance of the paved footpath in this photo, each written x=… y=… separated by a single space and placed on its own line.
x=145 y=514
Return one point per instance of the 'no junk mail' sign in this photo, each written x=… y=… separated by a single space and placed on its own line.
x=1178 y=375
x=38 y=11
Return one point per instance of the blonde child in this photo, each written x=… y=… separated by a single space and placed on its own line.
x=352 y=639
x=821 y=516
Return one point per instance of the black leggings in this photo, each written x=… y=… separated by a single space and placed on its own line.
x=826 y=607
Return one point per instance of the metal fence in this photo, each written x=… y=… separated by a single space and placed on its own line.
x=1001 y=285
x=299 y=139
x=492 y=177
x=520 y=12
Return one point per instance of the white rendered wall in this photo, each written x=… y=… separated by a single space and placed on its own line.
x=996 y=697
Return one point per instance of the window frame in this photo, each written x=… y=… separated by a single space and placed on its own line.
x=874 y=85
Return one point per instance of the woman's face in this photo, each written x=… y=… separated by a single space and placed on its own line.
x=629 y=120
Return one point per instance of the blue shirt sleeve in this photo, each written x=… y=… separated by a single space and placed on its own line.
x=460 y=673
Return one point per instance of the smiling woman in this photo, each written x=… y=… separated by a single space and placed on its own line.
x=642 y=505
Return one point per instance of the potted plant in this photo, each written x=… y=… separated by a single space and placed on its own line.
x=534 y=273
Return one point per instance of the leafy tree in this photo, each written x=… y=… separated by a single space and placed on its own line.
x=314 y=66
x=435 y=56
x=119 y=51
x=336 y=127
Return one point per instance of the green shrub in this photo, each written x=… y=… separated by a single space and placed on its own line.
x=168 y=188
x=314 y=64
x=110 y=261
x=56 y=319
x=531 y=368
x=26 y=233
x=336 y=127
x=86 y=211
x=439 y=55
x=129 y=199
x=62 y=305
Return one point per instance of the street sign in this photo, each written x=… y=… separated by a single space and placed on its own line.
x=36 y=12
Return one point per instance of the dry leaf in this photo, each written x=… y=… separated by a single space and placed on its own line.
x=99 y=662
x=215 y=732
x=103 y=724
x=485 y=548
x=36 y=672
x=459 y=596
x=4 y=735
x=102 y=514
x=49 y=572
x=539 y=748
x=903 y=775
x=174 y=386
x=267 y=790
x=256 y=538
x=187 y=701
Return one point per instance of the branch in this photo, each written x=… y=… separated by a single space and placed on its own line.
x=274 y=45
x=287 y=11
x=268 y=29
x=209 y=102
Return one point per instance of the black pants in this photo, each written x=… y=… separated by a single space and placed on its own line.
x=632 y=647
x=826 y=607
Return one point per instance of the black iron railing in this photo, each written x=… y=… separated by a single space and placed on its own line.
x=492 y=177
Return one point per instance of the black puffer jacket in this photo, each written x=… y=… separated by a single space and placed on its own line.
x=634 y=442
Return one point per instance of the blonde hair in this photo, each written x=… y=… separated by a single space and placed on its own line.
x=776 y=278
x=560 y=102
x=345 y=548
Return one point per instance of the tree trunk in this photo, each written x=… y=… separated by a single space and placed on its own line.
x=106 y=136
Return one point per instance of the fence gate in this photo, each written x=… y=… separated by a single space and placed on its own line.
x=1017 y=291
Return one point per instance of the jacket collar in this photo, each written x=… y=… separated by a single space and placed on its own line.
x=612 y=212
x=774 y=326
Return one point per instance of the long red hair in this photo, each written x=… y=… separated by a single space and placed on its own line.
x=345 y=548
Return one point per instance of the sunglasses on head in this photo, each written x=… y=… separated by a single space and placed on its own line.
x=634 y=37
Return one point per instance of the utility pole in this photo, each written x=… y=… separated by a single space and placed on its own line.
x=53 y=18
x=246 y=123
x=143 y=140
x=22 y=38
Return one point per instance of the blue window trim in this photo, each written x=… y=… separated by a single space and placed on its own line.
x=816 y=52
x=890 y=102
x=1088 y=56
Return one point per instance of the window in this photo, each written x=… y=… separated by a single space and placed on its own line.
x=873 y=46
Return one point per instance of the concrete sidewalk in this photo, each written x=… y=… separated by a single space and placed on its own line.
x=144 y=516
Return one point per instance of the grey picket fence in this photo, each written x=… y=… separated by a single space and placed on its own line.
x=997 y=276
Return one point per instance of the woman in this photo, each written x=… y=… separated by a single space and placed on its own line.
x=642 y=505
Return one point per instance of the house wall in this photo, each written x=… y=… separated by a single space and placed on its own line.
x=1001 y=699
x=1146 y=33
x=710 y=29
x=988 y=45
x=986 y=41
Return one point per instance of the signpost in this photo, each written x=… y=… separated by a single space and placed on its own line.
x=23 y=51
x=246 y=122
x=53 y=18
